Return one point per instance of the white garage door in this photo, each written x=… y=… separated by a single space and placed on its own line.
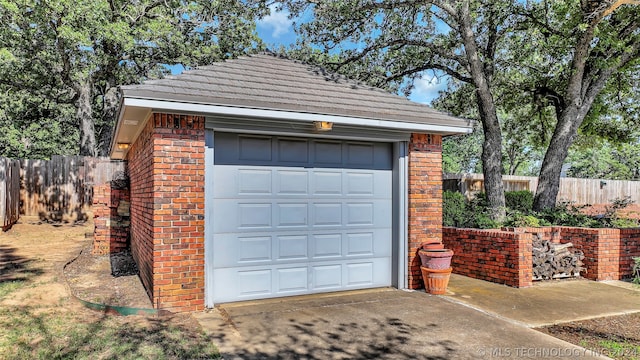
x=297 y=216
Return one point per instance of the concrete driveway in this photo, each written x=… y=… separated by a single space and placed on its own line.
x=547 y=302
x=374 y=324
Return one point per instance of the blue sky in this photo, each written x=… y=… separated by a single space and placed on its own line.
x=277 y=29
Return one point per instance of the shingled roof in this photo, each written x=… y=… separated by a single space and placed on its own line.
x=269 y=82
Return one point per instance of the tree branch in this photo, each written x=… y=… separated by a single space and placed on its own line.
x=429 y=66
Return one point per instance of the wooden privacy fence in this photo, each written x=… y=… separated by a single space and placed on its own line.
x=9 y=192
x=62 y=188
x=578 y=191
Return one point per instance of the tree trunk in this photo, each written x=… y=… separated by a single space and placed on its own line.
x=549 y=179
x=84 y=114
x=109 y=114
x=492 y=157
x=492 y=145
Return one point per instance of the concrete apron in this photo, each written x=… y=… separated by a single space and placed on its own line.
x=547 y=303
x=374 y=324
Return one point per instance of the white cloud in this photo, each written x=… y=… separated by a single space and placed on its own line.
x=426 y=88
x=427 y=83
x=278 y=21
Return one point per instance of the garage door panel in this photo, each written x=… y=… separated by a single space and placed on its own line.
x=328 y=153
x=250 y=182
x=326 y=246
x=360 y=155
x=326 y=183
x=254 y=249
x=254 y=282
x=232 y=216
x=243 y=250
x=326 y=276
x=253 y=148
x=367 y=183
x=371 y=243
x=367 y=214
x=359 y=214
x=360 y=183
x=291 y=215
x=359 y=274
x=292 y=280
x=293 y=151
x=292 y=182
x=326 y=215
x=292 y=247
x=360 y=244
x=256 y=215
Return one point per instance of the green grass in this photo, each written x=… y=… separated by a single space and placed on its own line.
x=7 y=287
x=620 y=350
x=26 y=333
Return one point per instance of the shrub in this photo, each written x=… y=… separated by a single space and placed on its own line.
x=521 y=201
x=458 y=212
x=567 y=214
x=454 y=209
x=610 y=218
x=621 y=223
x=483 y=221
x=518 y=219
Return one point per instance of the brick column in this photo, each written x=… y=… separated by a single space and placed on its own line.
x=425 y=198
x=601 y=248
x=111 y=219
x=167 y=173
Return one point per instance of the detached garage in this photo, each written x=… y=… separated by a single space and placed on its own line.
x=262 y=177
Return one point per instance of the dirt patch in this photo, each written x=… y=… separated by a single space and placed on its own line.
x=108 y=279
x=41 y=319
x=615 y=336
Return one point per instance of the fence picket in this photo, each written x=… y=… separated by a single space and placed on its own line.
x=9 y=192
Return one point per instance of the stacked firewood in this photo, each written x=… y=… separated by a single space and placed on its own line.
x=555 y=261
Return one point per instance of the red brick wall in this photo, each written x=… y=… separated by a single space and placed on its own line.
x=629 y=248
x=111 y=219
x=608 y=252
x=425 y=198
x=498 y=256
x=167 y=163
x=140 y=166
x=601 y=249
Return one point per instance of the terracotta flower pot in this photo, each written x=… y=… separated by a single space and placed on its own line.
x=436 y=259
x=432 y=246
x=435 y=281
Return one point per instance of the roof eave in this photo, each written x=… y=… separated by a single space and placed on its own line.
x=162 y=105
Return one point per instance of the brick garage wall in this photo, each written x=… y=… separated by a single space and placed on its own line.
x=425 y=199
x=111 y=218
x=498 y=256
x=166 y=166
x=140 y=165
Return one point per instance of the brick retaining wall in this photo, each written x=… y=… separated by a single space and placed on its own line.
x=504 y=256
x=498 y=256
